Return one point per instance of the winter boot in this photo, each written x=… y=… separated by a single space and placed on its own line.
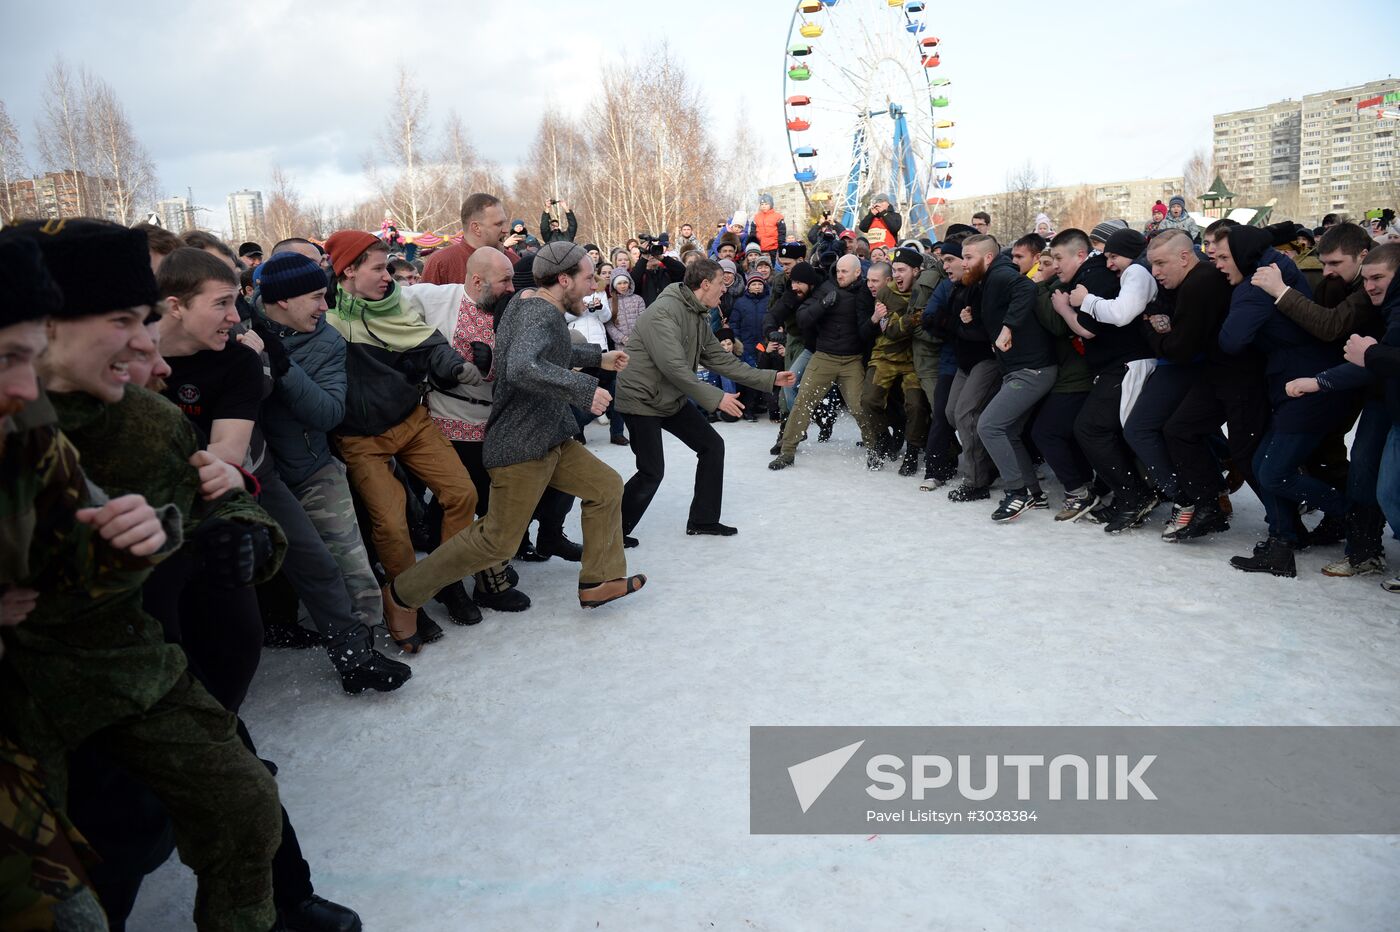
x=1274 y=555
x=494 y=590
x=401 y=622
x=315 y=914
x=778 y=444
x=874 y=461
x=375 y=671
x=782 y=461
x=557 y=545
x=969 y=493
x=1332 y=529
x=428 y=629
x=527 y=553
x=460 y=607
x=910 y=464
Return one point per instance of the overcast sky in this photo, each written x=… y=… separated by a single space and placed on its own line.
x=222 y=92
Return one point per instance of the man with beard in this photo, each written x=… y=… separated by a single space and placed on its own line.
x=390 y=352
x=530 y=445
x=832 y=313
x=975 y=384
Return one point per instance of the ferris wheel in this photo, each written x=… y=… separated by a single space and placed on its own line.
x=866 y=110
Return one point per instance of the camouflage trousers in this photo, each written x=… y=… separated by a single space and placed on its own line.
x=221 y=799
x=880 y=380
x=326 y=498
x=42 y=856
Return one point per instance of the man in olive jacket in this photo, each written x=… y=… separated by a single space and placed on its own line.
x=671 y=340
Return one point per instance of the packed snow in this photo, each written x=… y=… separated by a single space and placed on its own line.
x=562 y=769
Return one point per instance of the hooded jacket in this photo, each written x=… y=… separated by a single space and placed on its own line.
x=1199 y=306
x=308 y=401
x=390 y=352
x=670 y=342
x=882 y=230
x=746 y=317
x=769 y=229
x=1290 y=352
x=831 y=316
x=649 y=282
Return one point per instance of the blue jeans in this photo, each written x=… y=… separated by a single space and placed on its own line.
x=1282 y=486
x=1388 y=488
x=799 y=365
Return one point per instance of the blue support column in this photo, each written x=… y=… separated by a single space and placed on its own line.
x=906 y=179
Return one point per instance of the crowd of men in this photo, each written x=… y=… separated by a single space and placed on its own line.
x=205 y=451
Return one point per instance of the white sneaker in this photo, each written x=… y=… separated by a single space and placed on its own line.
x=1392 y=584
x=1344 y=567
x=930 y=484
x=602 y=419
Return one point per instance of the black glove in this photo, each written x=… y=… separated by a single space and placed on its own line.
x=231 y=552
x=277 y=358
x=481 y=357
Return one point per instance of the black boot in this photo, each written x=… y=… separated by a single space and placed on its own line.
x=291 y=636
x=778 y=444
x=375 y=672
x=557 y=545
x=494 y=591
x=910 y=464
x=460 y=607
x=428 y=630
x=527 y=551
x=1207 y=519
x=874 y=461
x=315 y=914
x=1332 y=529
x=712 y=530
x=1274 y=555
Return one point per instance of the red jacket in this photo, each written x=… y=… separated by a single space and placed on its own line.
x=767 y=228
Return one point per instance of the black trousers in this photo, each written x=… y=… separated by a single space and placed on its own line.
x=1221 y=396
x=690 y=427
x=941 y=449
x=1053 y=433
x=1160 y=398
x=1099 y=431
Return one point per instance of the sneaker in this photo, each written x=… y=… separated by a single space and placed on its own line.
x=375 y=672
x=969 y=493
x=1181 y=517
x=1346 y=567
x=910 y=464
x=711 y=530
x=783 y=461
x=1131 y=514
x=1274 y=555
x=1077 y=505
x=930 y=483
x=602 y=419
x=1040 y=501
x=1206 y=518
x=1012 y=504
x=1392 y=584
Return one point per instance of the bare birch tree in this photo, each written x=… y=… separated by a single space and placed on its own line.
x=62 y=131
x=402 y=167
x=13 y=166
x=124 y=176
x=1197 y=175
x=283 y=216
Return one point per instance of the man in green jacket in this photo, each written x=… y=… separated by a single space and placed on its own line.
x=671 y=340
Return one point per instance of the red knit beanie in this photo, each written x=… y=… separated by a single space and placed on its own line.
x=1159 y=208
x=345 y=246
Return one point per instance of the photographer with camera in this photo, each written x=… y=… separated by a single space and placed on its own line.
x=825 y=231
x=881 y=223
x=654 y=270
x=549 y=224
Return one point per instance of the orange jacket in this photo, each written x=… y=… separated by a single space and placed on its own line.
x=767 y=227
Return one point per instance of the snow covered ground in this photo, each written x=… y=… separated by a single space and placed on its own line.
x=571 y=770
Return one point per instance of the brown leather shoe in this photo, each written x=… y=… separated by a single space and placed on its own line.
x=402 y=624
x=610 y=591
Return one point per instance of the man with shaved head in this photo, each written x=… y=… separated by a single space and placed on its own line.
x=831 y=312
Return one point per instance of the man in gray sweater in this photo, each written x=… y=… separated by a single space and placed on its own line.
x=530 y=446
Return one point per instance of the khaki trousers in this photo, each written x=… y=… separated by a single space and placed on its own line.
x=823 y=371
x=515 y=491
x=420 y=447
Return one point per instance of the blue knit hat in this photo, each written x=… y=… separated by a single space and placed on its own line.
x=290 y=275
